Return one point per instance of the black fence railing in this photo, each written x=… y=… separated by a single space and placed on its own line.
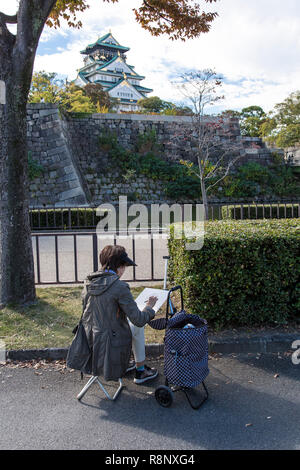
x=85 y=218
x=66 y=246
x=67 y=257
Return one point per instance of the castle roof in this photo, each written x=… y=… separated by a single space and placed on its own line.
x=106 y=41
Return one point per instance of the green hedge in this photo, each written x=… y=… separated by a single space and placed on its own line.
x=247 y=272
x=63 y=218
x=260 y=211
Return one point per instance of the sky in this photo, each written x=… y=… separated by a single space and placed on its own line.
x=253 y=44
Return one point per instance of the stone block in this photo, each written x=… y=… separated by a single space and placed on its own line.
x=47 y=112
x=56 y=150
x=64 y=178
x=73 y=184
x=69 y=169
x=69 y=194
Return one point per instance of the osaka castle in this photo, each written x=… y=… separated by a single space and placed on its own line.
x=105 y=63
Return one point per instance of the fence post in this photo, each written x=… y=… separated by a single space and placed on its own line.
x=75 y=258
x=38 y=268
x=95 y=252
x=69 y=218
x=56 y=259
x=133 y=255
x=152 y=258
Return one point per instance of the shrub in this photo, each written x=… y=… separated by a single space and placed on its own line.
x=146 y=160
x=253 y=179
x=261 y=211
x=247 y=272
x=63 y=218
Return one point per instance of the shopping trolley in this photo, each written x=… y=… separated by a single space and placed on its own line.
x=185 y=356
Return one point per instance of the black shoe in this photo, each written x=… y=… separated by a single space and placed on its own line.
x=131 y=366
x=142 y=376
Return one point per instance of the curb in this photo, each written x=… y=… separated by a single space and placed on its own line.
x=255 y=344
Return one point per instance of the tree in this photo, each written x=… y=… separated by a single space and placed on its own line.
x=73 y=99
x=178 y=110
x=98 y=96
x=179 y=19
x=251 y=120
x=228 y=113
x=282 y=127
x=214 y=151
x=44 y=88
x=154 y=104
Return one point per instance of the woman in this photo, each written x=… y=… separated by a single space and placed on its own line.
x=112 y=321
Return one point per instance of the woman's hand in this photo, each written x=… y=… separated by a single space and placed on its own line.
x=151 y=301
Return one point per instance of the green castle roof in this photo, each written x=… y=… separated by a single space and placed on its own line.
x=100 y=42
x=106 y=64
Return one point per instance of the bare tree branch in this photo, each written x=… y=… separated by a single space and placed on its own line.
x=214 y=148
x=225 y=174
x=8 y=19
x=7 y=41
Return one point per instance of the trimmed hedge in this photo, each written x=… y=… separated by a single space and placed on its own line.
x=67 y=218
x=261 y=211
x=247 y=272
x=63 y=218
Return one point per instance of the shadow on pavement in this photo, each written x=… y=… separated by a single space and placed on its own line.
x=237 y=415
x=272 y=363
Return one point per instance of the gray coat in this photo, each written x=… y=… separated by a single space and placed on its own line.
x=102 y=345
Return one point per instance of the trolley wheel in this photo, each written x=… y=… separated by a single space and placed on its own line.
x=164 y=396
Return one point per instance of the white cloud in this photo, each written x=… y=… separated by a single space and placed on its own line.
x=254 y=44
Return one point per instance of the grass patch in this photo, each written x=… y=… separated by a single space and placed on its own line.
x=49 y=322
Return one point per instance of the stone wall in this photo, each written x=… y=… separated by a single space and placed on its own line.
x=257 y=151
x=293 y=155
x=60 y=182
x=76 y=170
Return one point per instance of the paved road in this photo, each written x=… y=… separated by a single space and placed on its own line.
x=41 y=411
x=65 y=244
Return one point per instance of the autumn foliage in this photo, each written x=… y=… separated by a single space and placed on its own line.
x=179 y=19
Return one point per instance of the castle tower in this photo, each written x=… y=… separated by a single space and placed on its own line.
x=105 y=63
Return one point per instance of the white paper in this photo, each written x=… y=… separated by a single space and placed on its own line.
x=161 y=295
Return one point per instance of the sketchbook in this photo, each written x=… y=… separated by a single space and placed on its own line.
x=161 y=295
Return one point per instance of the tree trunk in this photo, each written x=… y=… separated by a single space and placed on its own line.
x=17 y=53
x=202 y=186
x=17 y=270
x=204 y=198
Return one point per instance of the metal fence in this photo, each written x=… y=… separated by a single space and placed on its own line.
x=66 y=246
x=67 y=257
x=279 y=210
x=85 y=218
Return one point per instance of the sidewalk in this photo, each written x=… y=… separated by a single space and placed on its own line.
x=254 y=403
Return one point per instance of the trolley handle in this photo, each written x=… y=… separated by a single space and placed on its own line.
x=169 y=302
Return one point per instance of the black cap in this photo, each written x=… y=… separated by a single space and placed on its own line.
x=125 y=258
